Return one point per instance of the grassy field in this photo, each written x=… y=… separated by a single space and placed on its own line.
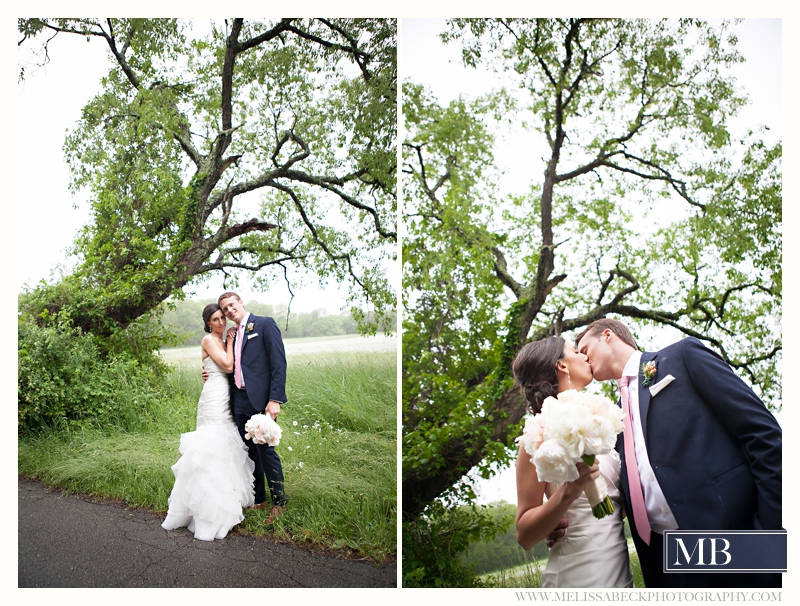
x=301 y=347
x=339 y=452
x=529 y=574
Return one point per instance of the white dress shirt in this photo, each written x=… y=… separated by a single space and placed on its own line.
x=658 y=511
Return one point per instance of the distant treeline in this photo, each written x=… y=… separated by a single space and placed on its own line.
x=503 y=551
x=187 y=320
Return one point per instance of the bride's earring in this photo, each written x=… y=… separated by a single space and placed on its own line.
x=569 y=381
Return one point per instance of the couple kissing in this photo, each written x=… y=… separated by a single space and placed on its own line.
x=699 y=451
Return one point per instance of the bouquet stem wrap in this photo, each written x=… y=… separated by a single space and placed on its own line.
x=597 y=493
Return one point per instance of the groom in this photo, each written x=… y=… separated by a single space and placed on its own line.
x=258 y=385
x=706 y=451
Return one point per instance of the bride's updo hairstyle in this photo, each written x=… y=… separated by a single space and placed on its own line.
x=534 y=369
x=208 y=311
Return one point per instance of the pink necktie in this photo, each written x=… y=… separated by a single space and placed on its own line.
x=634 y=483
x=237 y=358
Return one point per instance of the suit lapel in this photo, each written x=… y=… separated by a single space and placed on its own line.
x=644 y=392
x=248 y=320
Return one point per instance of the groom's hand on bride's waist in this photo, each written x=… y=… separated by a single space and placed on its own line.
x=559 y=531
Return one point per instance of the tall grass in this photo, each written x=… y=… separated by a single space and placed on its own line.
x=338 y=452
x=528 y=574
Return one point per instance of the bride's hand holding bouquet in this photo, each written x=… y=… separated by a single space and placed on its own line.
x=587 y=475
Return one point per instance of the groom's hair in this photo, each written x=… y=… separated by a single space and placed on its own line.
x=618 y=328
x=227 y=295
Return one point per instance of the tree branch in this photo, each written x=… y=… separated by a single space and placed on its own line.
x=231 y=48
x=326 y=184
x=311 y=228
x=501 y=270
x=265 y=37
x=327 y=43
x=360 y=57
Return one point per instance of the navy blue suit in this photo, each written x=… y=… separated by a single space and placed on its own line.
x=263 y=362
x=716 y=452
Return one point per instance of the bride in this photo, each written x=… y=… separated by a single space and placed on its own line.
x=593 y=552
x=214 y=476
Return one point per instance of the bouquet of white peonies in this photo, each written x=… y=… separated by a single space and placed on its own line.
x=262 y=429
x=574 y=427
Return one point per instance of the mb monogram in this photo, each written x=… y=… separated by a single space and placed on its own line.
x=715 y=549
x=735 y=551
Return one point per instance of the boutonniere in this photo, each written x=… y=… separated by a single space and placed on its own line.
x=648 y=371
x=249 y=328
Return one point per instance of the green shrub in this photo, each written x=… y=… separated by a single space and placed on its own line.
x=502 y=551
x=64 y=380
x=434 y=544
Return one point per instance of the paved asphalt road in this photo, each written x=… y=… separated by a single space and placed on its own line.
x=66 y=541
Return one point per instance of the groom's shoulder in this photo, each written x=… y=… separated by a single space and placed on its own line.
x=684 y=345
x=264 y=320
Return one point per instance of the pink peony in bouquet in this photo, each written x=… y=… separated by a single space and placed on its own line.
x=262 y=429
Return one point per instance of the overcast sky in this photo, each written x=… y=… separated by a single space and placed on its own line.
x=426 y=60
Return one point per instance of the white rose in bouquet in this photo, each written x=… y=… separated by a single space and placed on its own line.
x=601 y=436
x=534 y=433
x=553 y=463
x=567 y=420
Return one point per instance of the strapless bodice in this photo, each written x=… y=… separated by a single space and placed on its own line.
x=213 y=409
x=212 y=367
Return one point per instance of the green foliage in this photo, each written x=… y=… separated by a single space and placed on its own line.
x=64 y=381
x=450 y=319
x=433 y=545
x=502 y=551
x=73 y=296
x=191 y=205
x=193 y=116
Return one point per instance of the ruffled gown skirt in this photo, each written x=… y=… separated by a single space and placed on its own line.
x=214 y=476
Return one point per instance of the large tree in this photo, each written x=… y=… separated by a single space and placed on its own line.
x=191 y=126
x=644 y=208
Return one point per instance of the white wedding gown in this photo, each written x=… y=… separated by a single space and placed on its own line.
x=214 y=476
x=593 y=552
